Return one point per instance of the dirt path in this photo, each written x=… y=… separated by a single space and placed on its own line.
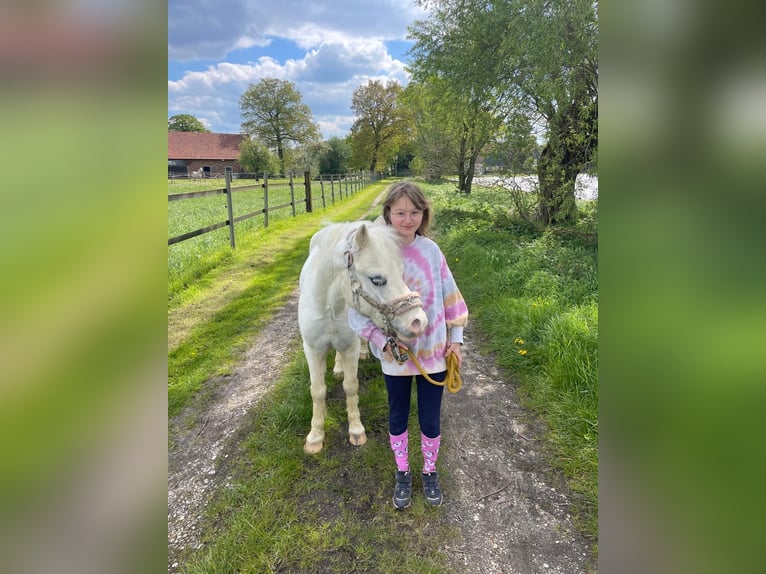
x=511 y=510
x=200 y=439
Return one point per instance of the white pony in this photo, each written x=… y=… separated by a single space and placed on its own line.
x=359 y=265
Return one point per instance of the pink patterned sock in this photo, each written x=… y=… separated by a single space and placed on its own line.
x=399 y=444
x=430 y=449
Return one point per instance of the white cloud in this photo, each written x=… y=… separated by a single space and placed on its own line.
x=343 y=44
x=198 y=29
x=325 y=77
x=334 y=126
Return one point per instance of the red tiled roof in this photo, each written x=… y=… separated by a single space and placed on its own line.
x=195 y=145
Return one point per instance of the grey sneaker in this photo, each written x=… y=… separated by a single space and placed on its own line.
x=403 y=489
x=431 y=489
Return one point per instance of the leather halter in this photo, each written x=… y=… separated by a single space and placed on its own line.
x=389 y=310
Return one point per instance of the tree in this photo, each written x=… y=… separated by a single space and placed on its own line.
x=436 y=149
x=515 y=150
x=335 y=156
x=537 y=58
x=304 y=157
x=453 y=60
x=563 y=76
x=273 y=112
x=256 y=157
x=186 y=123
x=380 y=124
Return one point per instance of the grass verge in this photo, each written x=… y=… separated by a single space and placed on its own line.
x=534 y=292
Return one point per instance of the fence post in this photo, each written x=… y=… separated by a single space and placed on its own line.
x=321 y=185
x=265 y=199
x=292 y=193
x=230 y=206
x=307 y=186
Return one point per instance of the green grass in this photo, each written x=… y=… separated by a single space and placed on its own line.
x=287 y=512
x=533 y=292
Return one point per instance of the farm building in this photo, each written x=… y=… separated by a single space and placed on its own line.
x=202 y=153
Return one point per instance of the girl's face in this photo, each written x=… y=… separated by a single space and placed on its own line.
x=405 y=218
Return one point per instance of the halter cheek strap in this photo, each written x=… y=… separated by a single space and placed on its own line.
x=389 y=310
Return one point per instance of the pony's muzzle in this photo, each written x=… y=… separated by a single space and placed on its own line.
x=413 y=327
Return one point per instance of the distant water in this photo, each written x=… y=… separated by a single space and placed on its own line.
x=586 y=186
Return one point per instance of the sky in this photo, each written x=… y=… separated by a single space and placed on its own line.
x=216 y=50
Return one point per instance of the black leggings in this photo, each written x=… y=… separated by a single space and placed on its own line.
x=429 y=403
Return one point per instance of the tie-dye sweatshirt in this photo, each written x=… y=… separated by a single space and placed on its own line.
x=425 y=271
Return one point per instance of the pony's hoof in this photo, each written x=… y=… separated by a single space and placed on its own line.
x=357 y=439
x=313 y=447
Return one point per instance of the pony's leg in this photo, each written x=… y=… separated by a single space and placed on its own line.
x=364 y=351
x=356 y=433
x=317 y=367
x=337 y=369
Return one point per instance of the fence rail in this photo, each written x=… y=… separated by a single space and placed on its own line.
x=339 y=185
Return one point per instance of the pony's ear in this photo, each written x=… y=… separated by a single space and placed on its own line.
x=361 y=237
x=355 y=241
x=379 y=221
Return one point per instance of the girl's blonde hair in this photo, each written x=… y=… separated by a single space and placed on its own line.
x=412 y=192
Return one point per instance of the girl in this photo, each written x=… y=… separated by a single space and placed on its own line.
x=425 y=271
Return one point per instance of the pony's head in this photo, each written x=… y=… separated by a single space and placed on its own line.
x=376 y=288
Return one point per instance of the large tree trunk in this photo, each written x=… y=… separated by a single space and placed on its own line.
x=556 y=176
x=461 y=170
x=374 y=159
x=471 y=171
x=281 y=155
x=466 y=165
x=572 y=139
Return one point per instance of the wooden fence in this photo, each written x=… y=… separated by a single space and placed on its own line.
x=330 y=188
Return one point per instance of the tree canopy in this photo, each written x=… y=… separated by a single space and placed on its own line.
x=274 y=113
x=510 y=58
x=335 y=156
x=186 y=123
x=380 y=123
x=256 y=157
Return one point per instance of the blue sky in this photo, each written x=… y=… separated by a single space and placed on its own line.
x=327 y=49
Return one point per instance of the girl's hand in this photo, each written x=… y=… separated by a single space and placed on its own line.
x=389 y=356
x=457 y=350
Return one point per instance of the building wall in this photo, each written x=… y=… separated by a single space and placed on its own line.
x=217 y=166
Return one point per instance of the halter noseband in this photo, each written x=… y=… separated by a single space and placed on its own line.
x=390 y=310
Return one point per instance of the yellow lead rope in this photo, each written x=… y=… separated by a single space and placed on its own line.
x=453 y=382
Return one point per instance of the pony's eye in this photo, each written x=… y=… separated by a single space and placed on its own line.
x=378 y=280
